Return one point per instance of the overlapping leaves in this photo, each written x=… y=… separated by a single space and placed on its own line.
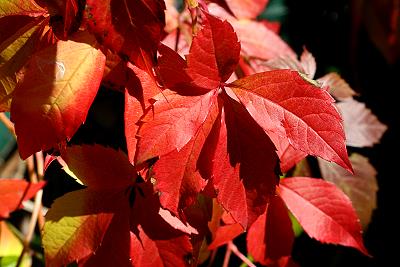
x=231 y=159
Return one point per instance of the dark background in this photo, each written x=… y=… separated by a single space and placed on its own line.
x=341 y=39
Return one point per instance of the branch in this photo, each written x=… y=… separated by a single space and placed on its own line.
x=40 y=175
x=36 y=210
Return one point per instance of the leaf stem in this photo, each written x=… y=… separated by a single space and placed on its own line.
x=227 y=256
x=212 y=258
x=40 y=175
x=236 y=251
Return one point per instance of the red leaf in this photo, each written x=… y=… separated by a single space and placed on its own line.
x=271 y=236
x=114 y=249
x=75 y=226
x=237 y=147
x=180 y=183
x=56 y=93
x=156 y=239
x=323 y=210
x=284 y=103
x=140 y=88
x=214 y=53
x=171 y=123
x=95 y=222
x=172 y=69
x=361 y=187
x=135 y=34
x=147 y=252
x=13 y=193
x=225 y=234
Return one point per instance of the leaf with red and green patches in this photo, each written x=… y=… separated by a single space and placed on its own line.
x=237 y=147
x=56 y=93
x=284 y=103
x=135 y=34
x=20 y=7
x=179 y=184
x=323 y=210
x=13 y=193
x=208 y=62
x=171 y=123
x=15 y=50
x=271 y=236
x=84 y=226
x=81 y=217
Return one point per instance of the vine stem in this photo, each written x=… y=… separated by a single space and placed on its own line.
x=227 y=256
x=36 y=209
x=40 y=176
x=232 y=247
x=6 y=121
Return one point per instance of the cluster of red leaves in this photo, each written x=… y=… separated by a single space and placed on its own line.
x=203 y=153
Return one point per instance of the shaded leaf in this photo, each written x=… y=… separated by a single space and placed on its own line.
x=164 y=253
x=14 y=53
x=13 y=193
x=323 y=210
x=135 y=34
x=284 y=103
x=361 y=187
x=305 y=65
x=56 y=93
x=114 y=249
x=361 y=126
x=179 y=184
x=92 y=220
x=271 y=236
x=237 y=149
x=266 y=44
x=338 y=87
x=18 y=7
x=95 y=164
x=66 y=16
x=244 y=9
